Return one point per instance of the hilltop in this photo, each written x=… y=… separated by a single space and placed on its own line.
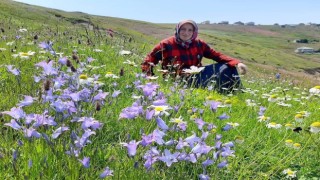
x=266 y=49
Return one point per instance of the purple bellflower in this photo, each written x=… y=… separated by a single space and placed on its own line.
x=106 y=172
x=131 y=147
x=85 y=162
x=169 y=158
x=58 y=131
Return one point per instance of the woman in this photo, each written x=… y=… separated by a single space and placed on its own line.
x=184 y=50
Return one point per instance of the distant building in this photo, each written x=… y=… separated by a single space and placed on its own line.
x=304 y=50
x=223 y=22
x=238 y=23
x=290 y=25
x=249 y=24
x=205 y=22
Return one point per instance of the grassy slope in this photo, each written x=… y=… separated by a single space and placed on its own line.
x=266 y=49
x=258 y=152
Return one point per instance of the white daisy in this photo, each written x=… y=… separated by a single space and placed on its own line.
x=160 y=109
x=193 y=70
x=131 y=63
x=97 y=50
x=315 y=127
x=315 y=90
x=152 y=77
x=289 y=173
x=124 y=52
x=274 y=125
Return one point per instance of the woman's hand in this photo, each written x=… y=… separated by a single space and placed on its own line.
x=242 y=68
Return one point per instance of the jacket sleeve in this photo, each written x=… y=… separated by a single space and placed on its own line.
x=152 y=59
x=217 y=56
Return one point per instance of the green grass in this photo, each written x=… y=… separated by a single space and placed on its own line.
x=262 y=155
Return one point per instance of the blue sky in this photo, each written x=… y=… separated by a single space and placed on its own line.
x=172 y=11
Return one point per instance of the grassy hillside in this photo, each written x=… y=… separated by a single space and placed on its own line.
x=266 y=49
x=266 y=44
x=75 y=105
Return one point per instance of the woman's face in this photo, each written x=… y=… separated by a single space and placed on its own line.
x=186 y=32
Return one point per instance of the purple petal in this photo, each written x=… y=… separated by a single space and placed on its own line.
x=16 y=113
x=222 y=164
x=63 y=60
x=13 y=124
x=31 y=133
x=149 y=114
x=30 y=163
x=58 y=131
x=28 y=100
x=204 y=177
x=106 y=172
x=224 y=116
x=85 y=162
x=116 y=93
x=132 y=147
x=207 y=162
x=161 y=124
x=14 y=71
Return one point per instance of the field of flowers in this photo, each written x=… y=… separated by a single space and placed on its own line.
x=75 y=105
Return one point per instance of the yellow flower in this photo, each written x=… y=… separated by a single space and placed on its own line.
x=190 y=111
x=177 y=120
x=304 y=113
x=273 y=97
x=298 y=117
x=160 y=109
x=193 y=117
x=274 y=125
x=296 y=145
x=263 y=118
x=228 y=101
x=316 y=124
x=315 y=127
x=83 y=76
x=213 y=130
x=289 y=142
x=289 y=126
x=210 y=98
x=84 y=79
x=315 y=90
x=289 y=173
x=23 y=54
x=110 y=74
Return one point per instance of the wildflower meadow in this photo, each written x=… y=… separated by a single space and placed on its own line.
x=75 y=105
